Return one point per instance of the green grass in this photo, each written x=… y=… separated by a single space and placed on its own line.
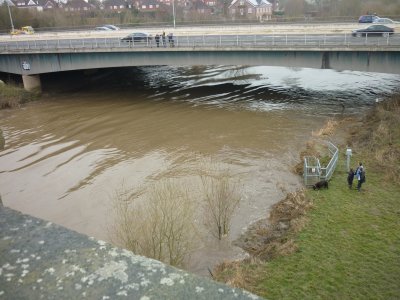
x=349 y=250
x=350 y=247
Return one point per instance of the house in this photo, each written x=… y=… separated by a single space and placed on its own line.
x=210 y=3
x=48 y=4
x=275 y=5
x=251 y=9
x=149 y=5
x=200 y=7
x=116 y=5
x=30 y=4
x=7 y=2
x=77 y=5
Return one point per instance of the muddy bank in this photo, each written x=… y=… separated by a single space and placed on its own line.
x=266 y=239
x=272 y=236
x=13 y=96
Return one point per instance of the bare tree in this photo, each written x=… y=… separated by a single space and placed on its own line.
x=221 y=198
x=160 y=226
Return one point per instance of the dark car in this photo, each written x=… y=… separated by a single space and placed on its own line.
x=374 y=30
x=367 y=19
x=137 y=37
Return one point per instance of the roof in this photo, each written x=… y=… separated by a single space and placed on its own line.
x=115 y=2
x=6 y=1
x=255 y=3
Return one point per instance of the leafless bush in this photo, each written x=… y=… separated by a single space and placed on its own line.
x=221 y=198
x=380 y=136
x=328 y=129
x=160 y=226
x=240 y=273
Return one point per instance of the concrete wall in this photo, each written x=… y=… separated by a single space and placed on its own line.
x=41 y=260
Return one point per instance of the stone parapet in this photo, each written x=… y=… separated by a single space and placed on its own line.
x=41 y=260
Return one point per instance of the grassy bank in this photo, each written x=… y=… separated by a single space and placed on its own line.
x=13 y=96
x=350 y=247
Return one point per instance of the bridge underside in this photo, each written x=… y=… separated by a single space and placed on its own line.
x=39 y=63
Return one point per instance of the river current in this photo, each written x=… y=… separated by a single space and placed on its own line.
x=89 y=135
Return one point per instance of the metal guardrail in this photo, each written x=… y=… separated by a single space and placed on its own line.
x=204 y=41
x=313 y=172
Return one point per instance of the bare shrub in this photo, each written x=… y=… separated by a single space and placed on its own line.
x=221 y=198
x=380 y=135
x=240 y=273
x=328 y=129
x=267 y=239
x=295 y=205
x=124 y=231
x=160 y=226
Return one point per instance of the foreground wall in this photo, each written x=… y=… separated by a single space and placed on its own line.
x=41 y=260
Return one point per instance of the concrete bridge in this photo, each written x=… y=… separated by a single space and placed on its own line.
x=340 y=52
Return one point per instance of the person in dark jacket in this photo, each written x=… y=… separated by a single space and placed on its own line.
x=163 y=39
x=157 y=38
x=350 y=178
x=360 y=174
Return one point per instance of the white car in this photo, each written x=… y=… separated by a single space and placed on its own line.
x=102 y=28
x=112 y=27
x=385 y=21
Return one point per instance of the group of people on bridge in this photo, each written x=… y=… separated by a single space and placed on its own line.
x=162 y=39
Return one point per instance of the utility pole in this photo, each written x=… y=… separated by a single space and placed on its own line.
x=173 y=10
x=9 y=12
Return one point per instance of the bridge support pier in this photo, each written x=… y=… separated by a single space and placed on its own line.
x=32 y=82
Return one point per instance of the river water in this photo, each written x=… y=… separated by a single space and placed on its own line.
x=66 y=155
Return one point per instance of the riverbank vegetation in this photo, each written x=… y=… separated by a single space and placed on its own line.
x=13 y=96
x=161 y=227
x=165 y=220
x=348 y=245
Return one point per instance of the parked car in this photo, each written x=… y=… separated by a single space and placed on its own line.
x=23 y=30
x=137 y=37
x=102 y=28
x=367 y=18
x=112 y=27
x=385 y=21
x=373 y=30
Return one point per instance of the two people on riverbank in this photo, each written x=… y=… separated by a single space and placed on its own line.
x=359 y=174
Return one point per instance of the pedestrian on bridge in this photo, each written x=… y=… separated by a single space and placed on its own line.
x=163 y=39
x=157 y=38
x=171 y=39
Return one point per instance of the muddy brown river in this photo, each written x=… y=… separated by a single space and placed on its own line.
x=90 y=135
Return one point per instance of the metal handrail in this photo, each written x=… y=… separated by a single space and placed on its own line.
x=317 y=172
x=318 y=41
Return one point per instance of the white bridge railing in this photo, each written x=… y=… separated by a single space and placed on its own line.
x=322 y=41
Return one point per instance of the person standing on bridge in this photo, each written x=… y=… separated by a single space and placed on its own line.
x=157 y=38
x=163 y=39
x=171 y=39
